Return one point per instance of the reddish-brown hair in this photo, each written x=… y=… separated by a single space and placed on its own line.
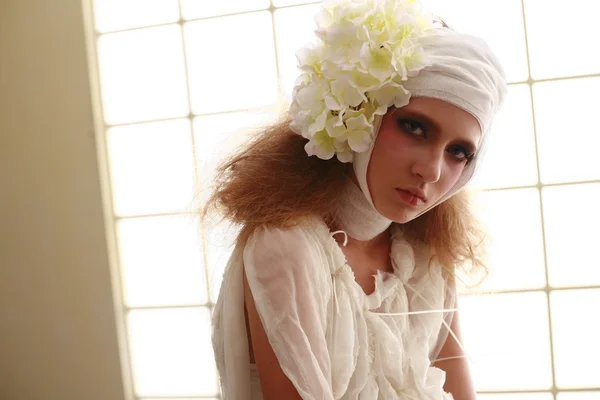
x=271 y=181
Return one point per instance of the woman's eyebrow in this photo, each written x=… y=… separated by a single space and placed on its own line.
x=432 y=124
x=422 y=118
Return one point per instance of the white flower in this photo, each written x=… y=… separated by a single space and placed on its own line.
x=391 y=94
x=309 y=58
x=309 y=111
x=366 y=49
x=335 y=126
x=377 y=61
x=343 y=152
x=320 y=145
x=359 y=133
x=347 y=92
x=330 y=70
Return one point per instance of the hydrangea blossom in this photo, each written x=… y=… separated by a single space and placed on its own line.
x=365 y=50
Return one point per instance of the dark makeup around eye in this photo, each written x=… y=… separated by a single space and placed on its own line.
x=431 y=126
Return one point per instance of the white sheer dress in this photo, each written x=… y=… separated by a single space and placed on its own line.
x=331 y=339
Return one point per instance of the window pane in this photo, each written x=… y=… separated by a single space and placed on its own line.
x=510 y=159
x=567 y=131
x=294 y=28
x=152 y=168
x=238 y=70
x=192 y=9
x=572 y=217
x=516 y=396
x=561 y=37
x=112 y=15
x=282 y=3
x=498 y=22
x=578 y=396
x=217 y=136
x=576 y=333
x=161 y=261
x=507 y=337
x=516 y=255
x=171 y=352
x=220 y=242
x=142 y=75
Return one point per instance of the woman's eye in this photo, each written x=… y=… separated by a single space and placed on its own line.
x=412 y=127
x=460 y=153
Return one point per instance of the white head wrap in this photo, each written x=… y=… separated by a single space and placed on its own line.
x=463 y=72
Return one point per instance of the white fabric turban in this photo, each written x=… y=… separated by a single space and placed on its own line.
x=463 y=72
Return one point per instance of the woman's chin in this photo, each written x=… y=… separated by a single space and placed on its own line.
x=404 y=219
x=402 y=216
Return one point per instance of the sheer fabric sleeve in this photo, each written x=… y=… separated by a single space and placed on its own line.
x=291 y=287
x=449 y=304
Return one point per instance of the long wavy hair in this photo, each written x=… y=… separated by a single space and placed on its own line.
x=271 y=181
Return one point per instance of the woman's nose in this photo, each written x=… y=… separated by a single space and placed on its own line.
x=429 y=166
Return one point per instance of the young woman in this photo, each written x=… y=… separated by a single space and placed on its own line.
x=353 y=222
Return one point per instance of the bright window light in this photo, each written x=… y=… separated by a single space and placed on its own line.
x=183 y=83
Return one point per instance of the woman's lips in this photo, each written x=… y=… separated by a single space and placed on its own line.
x=409 y=198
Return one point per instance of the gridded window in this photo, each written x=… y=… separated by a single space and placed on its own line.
x=184 y=81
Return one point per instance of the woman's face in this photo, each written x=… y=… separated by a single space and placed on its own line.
x=420 y=152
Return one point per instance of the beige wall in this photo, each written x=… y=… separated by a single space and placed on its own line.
x=58 y=335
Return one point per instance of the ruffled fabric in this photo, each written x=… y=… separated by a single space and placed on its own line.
x=398 y=345
x=332 y=340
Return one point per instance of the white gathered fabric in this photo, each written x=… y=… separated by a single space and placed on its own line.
x=357 y=217
x=331 y=339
